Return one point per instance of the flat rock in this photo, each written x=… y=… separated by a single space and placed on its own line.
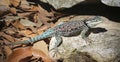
x=103 y=48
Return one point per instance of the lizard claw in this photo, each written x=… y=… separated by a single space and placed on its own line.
x=54 y=53
x=88 y=41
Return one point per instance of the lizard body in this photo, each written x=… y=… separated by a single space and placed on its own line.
x=67 y=29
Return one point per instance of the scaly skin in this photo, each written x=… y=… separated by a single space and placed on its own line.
x=67 y=29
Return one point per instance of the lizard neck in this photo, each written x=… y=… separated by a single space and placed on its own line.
x=86 y=24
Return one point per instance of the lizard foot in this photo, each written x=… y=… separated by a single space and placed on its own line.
x=88 y=41
x=54 y=53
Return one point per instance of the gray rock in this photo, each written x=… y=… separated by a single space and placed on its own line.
x=58 y=4
x=104 y=48
x=111 y=2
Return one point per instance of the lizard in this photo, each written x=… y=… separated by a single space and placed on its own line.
x=66 y=29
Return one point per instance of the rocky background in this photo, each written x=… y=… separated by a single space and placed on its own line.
x=22 y=19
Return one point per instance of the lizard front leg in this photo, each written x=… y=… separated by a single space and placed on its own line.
x=83 y=35
x=53 y=47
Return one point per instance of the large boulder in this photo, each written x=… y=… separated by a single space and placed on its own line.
x=111 y=2
x=58 y=4
x=105 y=45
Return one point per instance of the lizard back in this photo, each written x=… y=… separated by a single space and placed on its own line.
x=71 y=28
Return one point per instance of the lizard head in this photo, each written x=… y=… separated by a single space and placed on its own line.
x=94 y=21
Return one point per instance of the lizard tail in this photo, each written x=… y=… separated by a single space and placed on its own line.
x=46 y=34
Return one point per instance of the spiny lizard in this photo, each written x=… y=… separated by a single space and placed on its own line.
x=66 y=29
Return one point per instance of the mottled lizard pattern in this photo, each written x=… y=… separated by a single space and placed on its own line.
x=70 y=28
x=66 y=29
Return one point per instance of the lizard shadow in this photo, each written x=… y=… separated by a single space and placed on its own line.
x=95 y=30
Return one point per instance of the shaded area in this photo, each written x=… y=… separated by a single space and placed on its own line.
x=2 y=24
x=111 y=13
x=98 y=30
x=46 y=6
x=95 y=30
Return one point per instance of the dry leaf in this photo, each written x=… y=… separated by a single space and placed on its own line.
x=42 y=46
x=33 y=8
x=25 y=14
x=40 y=49
x=15 y=2
x=43 y=11
x=28 y=18
x=43 y=28
x=4 y=9
x=38 y=20
x=20 y=54
x=5 y=2
x=43 y=15
x=33 y=29
x=25 y=5
x=18 y=25
x=44 y=19
x=26 y=22
x=39 y=53
x=8 y=51
x=8 y=37
x=9 y=31
x=11 y=18
x=13 y=10
x=26 y=32
x=13 y=32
